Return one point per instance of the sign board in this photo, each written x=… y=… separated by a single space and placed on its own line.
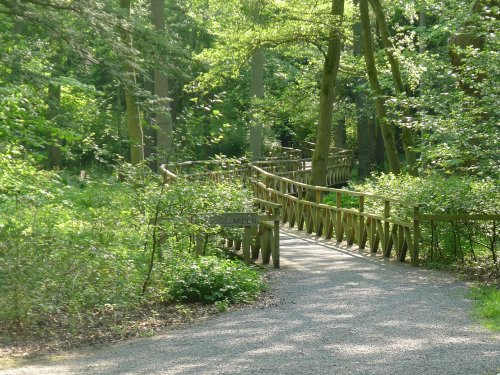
x=236 y=219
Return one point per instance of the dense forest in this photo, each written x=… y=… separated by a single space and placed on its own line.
x=96 y=95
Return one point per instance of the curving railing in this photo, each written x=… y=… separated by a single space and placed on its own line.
x=383 y=225
x=351 y=224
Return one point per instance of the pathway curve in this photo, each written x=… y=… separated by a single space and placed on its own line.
x=336 y=313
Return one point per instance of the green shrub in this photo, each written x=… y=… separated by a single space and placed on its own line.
x=438 y=194
x=210 y=279
x=65 y=250
x=70 y=246
x=346 y=201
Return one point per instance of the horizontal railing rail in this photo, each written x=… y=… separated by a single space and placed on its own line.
x=353 y=225
x=263 y=239
x=393 y=229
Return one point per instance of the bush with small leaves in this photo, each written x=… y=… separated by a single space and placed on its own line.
x=210 y=279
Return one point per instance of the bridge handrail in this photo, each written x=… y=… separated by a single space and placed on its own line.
x=331 y=190
x=264 y=240
x=352 y=225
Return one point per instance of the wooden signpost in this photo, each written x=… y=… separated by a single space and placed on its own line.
x=260 y=232
x=250 y=220
x=236 y=219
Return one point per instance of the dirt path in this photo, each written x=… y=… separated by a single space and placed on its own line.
x=336 y=313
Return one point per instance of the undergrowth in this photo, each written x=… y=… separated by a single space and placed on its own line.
x=76 y=246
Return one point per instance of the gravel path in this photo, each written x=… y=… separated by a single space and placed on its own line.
x=336 y=313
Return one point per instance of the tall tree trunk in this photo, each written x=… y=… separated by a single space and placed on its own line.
x=54 y=154
x=133 y=118
x=379 y=154
x=165 y=132
x=365 y=128
x=407 y=134
x=149 y=128
x=117 y=119
x=339 y=134
x=256 y=92
x=326 y=98
x=371 y=68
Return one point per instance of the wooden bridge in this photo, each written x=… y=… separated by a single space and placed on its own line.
x=280 y=187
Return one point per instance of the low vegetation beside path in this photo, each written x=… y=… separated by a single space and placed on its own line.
x=76 y=250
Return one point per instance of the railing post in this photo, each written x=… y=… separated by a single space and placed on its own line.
x=416 y=235
x=361 y=222
x=247 y=239
x=387 y=234
x=276 y=238
x=338 y=203
x=318 y=227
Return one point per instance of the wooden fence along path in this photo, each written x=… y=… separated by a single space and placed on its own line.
x=261 y=233
x=353 y=225
x=280 y=185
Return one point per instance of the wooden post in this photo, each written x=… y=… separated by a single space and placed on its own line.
x=338 y=203
x=362 y=241
x=247 y=239
x=264 y=243
x=416 y=235
x=276 y=239
x=255 y=243
x=317 y=223
x=299 y=193
x=387 y=234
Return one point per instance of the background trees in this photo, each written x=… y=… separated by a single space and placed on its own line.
x=70 y=74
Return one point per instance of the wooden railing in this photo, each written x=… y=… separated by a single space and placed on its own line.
x=262 y=239
x=353 y=225
x=338 y=169
x=284 y=182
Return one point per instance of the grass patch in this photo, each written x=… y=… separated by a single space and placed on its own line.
x=487 y=306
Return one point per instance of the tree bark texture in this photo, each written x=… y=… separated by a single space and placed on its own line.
x=326 y=99
x=163 y=117
x=339 y=134
x=133 y=117
x=256 y=92
x=407 y=134
x=366 y=134
x=371 y=68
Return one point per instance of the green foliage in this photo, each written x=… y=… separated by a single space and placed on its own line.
x=74 y=245
x=209 y=279
x=346 y=200
x=443 y=241
x=66 y=249
x=438 y=194
x=487 y=306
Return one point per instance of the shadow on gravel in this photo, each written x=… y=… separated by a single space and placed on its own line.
x=337 y=314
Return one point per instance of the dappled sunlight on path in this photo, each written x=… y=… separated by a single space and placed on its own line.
x=337 y=313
